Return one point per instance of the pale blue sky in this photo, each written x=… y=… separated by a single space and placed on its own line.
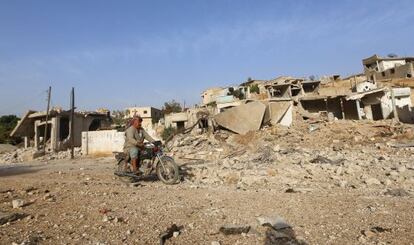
x=122 y=53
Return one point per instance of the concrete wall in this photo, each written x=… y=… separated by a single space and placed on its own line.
x=210 y=95
x=388 y=64
x=172 y=118
x=103 y=142
x=406 y=114
x=402 y=71
x=365 y=86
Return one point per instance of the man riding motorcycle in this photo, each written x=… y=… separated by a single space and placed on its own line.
x=134 y=142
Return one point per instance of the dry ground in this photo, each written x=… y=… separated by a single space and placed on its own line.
x=82 y=202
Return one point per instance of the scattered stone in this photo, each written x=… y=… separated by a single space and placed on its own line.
x=106 y=218
x=324 y=160
x=18 y=203
x=10 y=217
x=234 y=229
x=169 y=233
x=372 y=181
x=276 y=222
x=398 y=192
x=379 y=229
x=49 y=197
x=134 y=184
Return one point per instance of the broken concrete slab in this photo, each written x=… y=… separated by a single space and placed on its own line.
x=243 y=118
x=277 y=110
x=287 y=118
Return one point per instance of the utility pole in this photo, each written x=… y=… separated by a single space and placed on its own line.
x=47 y=117
x=72 y=119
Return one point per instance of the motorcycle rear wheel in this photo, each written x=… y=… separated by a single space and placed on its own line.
x=120 y=166
x=168 y=171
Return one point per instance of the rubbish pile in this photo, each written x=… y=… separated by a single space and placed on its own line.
x=31 y=153
x=346 y=154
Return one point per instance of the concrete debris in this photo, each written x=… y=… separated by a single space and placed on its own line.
x=276 y=222
x=397 y=192
x=243 y=118
x=321 y=159
x=10 y=217
x=277 y=156
x=5 y=148
x=234 y=229
x=277 y=110
x=401 y=145
x=173 y=229
x=372 y=181
x=18 y=203
x=31 y=154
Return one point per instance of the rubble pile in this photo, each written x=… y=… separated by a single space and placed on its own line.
x=30 y=154
x=349 y=154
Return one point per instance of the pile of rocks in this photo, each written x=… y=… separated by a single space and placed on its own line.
x=297 y=158
x=30 y=154
x=18 y=155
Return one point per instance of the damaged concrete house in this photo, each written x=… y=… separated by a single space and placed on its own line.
x=33 y=124
x=150 y=115
x=378 y=68
x=189 y=117
x=352 y=98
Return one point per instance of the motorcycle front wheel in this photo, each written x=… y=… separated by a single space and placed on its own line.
x=167 y=170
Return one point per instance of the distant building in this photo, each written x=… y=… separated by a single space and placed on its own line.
x=378 y=68
x=33 y=124
x=150 y=115
x=210 y=95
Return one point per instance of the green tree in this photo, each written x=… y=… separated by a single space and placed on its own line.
x=168 y=132
x=171 y=106
x=254 y=88
x=118 y=117
x=7 y=124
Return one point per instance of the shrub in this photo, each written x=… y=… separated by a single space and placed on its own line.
x=168 y=132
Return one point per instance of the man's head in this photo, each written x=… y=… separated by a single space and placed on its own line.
x=136 y=122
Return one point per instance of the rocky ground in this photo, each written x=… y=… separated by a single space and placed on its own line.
x=338 y=182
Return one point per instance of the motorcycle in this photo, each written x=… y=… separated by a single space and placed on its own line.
x=152 y=159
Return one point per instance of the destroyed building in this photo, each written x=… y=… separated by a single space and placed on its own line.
x=378 y=68
x=286 y=88
x=33 y=124
x=150 y=115
x=351 y=98
x=188 y=118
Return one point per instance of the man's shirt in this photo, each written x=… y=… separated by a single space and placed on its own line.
x=135 y=136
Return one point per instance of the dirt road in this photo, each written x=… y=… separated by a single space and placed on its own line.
x=82 y=202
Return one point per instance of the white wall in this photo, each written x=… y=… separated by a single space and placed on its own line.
x=103 y=142
x=388 y=64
